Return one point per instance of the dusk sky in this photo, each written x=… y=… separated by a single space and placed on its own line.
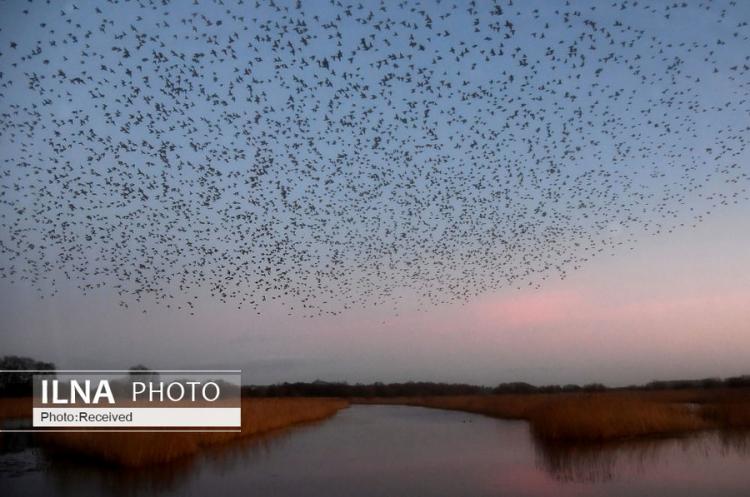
x=545 y=194
x=674 y=307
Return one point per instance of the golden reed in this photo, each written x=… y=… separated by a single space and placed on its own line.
x=604 y=416
x=558 y=417
x=139 y=449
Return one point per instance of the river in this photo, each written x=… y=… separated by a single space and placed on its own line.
x=401 y=451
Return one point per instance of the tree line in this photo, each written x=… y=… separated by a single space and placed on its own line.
x=421 y=389
x=13 y=384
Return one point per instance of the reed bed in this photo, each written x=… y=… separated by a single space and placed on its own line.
x=15 y=407
x=603 y=416
x=728 y=415
x=139 y=449
x=506 y=406
x=555 y=418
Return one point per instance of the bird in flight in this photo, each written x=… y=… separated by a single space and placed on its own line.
x=325 y=156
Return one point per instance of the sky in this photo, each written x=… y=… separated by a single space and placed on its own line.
x=466 y=194
x=676 y=306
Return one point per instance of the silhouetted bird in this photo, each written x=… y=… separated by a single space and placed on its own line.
x=325 y=158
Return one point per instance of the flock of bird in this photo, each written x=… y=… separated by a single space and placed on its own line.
x=330 y=155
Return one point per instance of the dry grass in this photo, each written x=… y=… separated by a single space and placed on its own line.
x=728 y=415
x=139 y=449
x=15 y=407
x=574 y=417
x=599 y=417
x=507 y=406
x=692 y=396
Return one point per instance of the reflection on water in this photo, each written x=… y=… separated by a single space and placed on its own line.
x=21 y=453
x=604 y=462
x=394 y=450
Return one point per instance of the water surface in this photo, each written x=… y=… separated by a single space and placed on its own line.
x=401 y=451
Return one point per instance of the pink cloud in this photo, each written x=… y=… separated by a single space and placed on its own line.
x=559 y=307
x=532 y=309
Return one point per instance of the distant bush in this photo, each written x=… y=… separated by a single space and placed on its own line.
x=738 y=381
x=425 y=389
x=342 y=389
x=515 y=387
x=20 y=383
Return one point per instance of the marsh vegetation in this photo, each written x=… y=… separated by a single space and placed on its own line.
x=259 y=416
x=603 y=416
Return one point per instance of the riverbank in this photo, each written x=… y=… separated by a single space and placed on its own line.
x=555 y=418
x=604 y=416
x=139 y=449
